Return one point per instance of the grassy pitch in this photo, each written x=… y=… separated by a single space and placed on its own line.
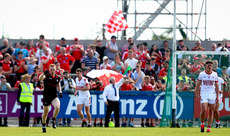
x=77 y=131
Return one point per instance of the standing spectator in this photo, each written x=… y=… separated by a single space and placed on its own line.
x=112 y=48
x=24 y=97
x=99 y=48
x=155 y=66
x=105 y=64
x=126 y=46
x=143 y=56
x=164 y=71
x=146 y=47
x=149 y=70
x=32 y=64
x=42 y=39
x=126 y=53
x=6 y=66
x=131 y=61
x=20 y=66
x=30 y=48
x=198 y=46
x=59 y=71
x=157 y=54
x=95 y=53
x=77 y=51
x=64 y=60
x=167 y=55
x=159 y=86
x=180 y=45
x=165 y=46
x=34 y=80
x=90 y=62
x=6 y=48
x=22 y=49
x=40 y=51
x=62 y=44
x=195 y=68
x=225 y=77
x=4 y=86
x=37 y=70
x=138 y=77
x=117 y=64
x=46 y=60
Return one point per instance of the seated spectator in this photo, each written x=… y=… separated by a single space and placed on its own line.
x=167 y=55
x=157 y=54
x=182 y=86
x=164 y=70
x=90 y=62
x=143 y=56
x=95 y=53
x=228 y=71
x=6 y=48
x=62 y=44
x=22 y=49
x=64 y=59
x=198 y=46
x=67 y=84
x=30 y=48
x=225 y=77
x=149 y=70
x=138 y=77
x=131 y=61
x=216 y=68
x=126 y=86
x=180 y=45
x=126 y=53
x=155 y=66
x=146 y=85
x=40 y=86
x=159 y=86
x=34 y=80
x=195 y=68
x=46 y=60
x=6 y=66
x=153 y=82
x=20 y=66
x=117 y=64
x=183 y=56
x=146 y=47
x=97 y=85
x=105 y=64
x=183 y=77
x=32 y=64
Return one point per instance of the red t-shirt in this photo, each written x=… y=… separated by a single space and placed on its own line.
x=17 y=84
x=64 y=61
x=195 y=68
x=58 y=72
x=18 y=63
x=76 y=53
x=31 y=51
x=46 y=65
x=126 y=87
x=6 y=66
x=163 y=72
x=196 y=48
x=58 y=47
x=147 y=87
x=142 y=58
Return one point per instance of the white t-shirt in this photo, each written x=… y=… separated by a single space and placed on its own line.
x=83 y=82
x=208 y=83
x=131 y=62
x=40 y=53
x=220 y=82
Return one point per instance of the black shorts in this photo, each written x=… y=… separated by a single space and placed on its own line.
x=47 y=100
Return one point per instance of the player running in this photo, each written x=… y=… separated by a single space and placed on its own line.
x=207 y=85
x=82 y=86
x=51 y=85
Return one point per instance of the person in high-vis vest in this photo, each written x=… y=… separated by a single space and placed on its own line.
x=25 y=95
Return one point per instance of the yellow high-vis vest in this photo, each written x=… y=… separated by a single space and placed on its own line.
x=26 y=94
x=181 y=78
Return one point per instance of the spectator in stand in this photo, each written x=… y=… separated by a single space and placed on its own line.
x=40 y=86
x=225 y=77
x=153 y=82
x=149 y=70
x=213 y=46
x=46 y=60
x=181 y=57
x=131 y=61
x=165 y=46
x=155 y=66
x=117 y=64
x=4 y=86
x=184 y=62
x=22 y=49
x=138 y=77
x=90 y=62
x=16 y=45
x=40 y=51
x=159 y=86
x=228 y=71
x=59 y=71
x=157 y=54
x=95 y=53
x=34 y=80
x=143 y=56
x=32 y=64
x=20 y=66
x=213 y=57
x=42 y=39
x=105 y=64
x=146 y=47
x=164 y=70
x=180 y=45
x=126 y=46
x=77 y=51
x=64 y=60
x=30 y=48
x=62 y=44
x=167 y=55
x=224 y=58
x=37 y=70
x=184 y=80
x=182 y=86
x=198 y=46
x=126 y=53
x=6 y=66
x=112 y=49
x=195 y=68
x=6 y=48
x=99 y=48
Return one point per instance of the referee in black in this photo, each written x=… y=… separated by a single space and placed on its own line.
x=51 y=85
x=111 y=98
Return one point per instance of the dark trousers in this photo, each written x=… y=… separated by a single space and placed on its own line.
x=76 y=65
x=3 y=123
x=27 y=116
x=113 y=106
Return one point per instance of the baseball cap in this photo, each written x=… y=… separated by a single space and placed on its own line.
x=75 y=39
x=63 y=39
x=22 y=43
x=224 y=68
x=113 y=37
x=2 y=76
x=105 y=58
x=208 y=62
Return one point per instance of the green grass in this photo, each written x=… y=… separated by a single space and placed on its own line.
x=77 y=131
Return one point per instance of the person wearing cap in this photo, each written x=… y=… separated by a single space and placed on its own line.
x=208 y=88
x=198 y=46
x=99 y=48
x=7 y=47
x=112 y=49
x=105 y=64
x=82 y=88
x=59 y=46
x=20 y=66
x=64 y=59
x=77 y=51
x=32 y=64
x=4 y=86
x=43 y=40
x=22 y=49
x=24 y=98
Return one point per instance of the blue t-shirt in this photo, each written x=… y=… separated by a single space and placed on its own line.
x=90 y=62
x=31 y=68
x=118 y=68
x=134 y=76
x=24 y=51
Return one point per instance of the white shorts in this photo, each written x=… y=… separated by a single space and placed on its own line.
x=84 y=100
x=220 y=98
x=208 y=99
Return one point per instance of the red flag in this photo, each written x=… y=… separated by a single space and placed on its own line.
x=116 y=23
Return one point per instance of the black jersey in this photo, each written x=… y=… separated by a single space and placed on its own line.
x=50 y=85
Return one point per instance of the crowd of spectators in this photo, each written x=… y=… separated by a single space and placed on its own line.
x=149 y=67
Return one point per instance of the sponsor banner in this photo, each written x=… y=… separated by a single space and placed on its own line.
x=133 y=104
x=224 y=108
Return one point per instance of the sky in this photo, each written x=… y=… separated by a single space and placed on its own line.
x=28 y=19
